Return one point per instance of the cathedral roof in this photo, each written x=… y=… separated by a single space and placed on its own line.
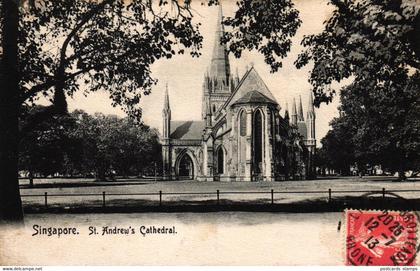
x=250 y=82
x=255 y=97
x=187 y=129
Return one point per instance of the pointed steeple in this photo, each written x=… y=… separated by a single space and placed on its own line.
x=310 y=123
x=311 y=137
x=294 y=114
x=166 y=106
x=166 y=115
x=300 y=110
x=220 y=68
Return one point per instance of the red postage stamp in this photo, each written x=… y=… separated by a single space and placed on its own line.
x=381 y=238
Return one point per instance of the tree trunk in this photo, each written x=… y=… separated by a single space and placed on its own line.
x=10 y=202
x=401 y=175
x=100 y=174
x=31 y=179
x=59 y=101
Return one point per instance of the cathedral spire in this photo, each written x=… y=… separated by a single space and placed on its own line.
x=294 y=114
x=300 y=110
x=220 y=68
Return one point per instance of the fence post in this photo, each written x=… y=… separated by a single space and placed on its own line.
x=218 y=198
x=45 y=199
x=383 y=192
x=103 y=199
x=160 y=198
x=272 y=196
x=329 y=195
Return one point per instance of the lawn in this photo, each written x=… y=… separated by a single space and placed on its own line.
x=86 y=192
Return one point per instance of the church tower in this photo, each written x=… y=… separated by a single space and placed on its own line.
x=218 y=81
x=166 y=130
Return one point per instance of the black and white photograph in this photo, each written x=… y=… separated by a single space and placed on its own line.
x=209 y=133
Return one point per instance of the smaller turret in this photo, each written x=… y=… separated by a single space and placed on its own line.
x=300 y=117
x=208 y=115
x=166 y=154
x=166 y=114
x=310 y=118
x=311 y=138
x=294 y=114
x=237 y=79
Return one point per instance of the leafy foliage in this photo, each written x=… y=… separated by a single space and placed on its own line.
x=337 y=151
x=265 y=26
x=374 y=43
x=114 y=145
x=43 y=149
x=111 y=44
x=384 y=124
x=108 y=45
x=371 y=41
x=82 y=144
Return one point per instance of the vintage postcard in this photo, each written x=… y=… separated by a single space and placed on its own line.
x=210 y=133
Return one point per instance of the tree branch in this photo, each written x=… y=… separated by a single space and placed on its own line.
x=86 y=18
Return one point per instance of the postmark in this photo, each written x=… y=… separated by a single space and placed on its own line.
x=381 y=238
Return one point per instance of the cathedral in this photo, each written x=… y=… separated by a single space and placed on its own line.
x=241 y=135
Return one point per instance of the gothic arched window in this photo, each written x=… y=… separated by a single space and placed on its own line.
x=242 y=124
x=214 y=108
x=220 y=161
x=258 y=142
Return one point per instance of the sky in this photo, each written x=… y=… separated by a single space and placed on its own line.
x=184 y=74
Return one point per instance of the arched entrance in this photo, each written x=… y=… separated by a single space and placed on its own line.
x=186 y=168
x=257 y=169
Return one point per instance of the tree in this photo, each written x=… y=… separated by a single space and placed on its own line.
x=322 y=161
x=265 y=26
x=138 y=152
x=337 y=151
x=44 y=149
x=110 y=45
x=366 y=40
x=386 y=125
x=83 y=144
x=375 y=44
x=10 y=202
x=113 y=145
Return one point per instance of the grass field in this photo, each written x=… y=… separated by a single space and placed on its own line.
x=88 y=192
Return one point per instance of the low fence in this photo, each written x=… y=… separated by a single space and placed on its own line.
x=218 y=194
